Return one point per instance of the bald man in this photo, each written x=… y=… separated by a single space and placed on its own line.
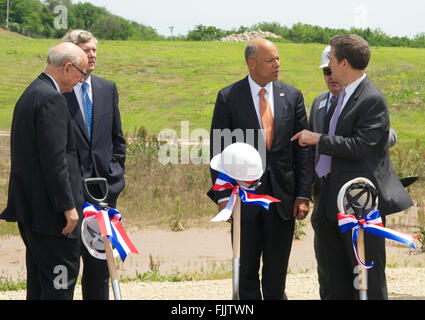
x=264 y=112
x=45 y=195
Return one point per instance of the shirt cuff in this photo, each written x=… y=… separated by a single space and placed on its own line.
x=303 y=198
x=223 y=199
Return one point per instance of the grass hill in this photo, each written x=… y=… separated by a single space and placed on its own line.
x=162 y=83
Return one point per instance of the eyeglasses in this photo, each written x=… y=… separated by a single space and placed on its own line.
x=327 y=71
x=82 y=72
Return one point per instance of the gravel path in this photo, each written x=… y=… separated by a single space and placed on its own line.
x=403 y=283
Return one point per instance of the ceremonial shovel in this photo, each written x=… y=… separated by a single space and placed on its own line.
x=361 y=203
x=108 y=247
x=236 y=240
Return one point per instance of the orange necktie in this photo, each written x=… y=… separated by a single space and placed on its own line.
x=266 y=118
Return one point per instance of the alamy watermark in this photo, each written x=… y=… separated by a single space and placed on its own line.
x=195 y=146
x=60 y=282
x=61 y=20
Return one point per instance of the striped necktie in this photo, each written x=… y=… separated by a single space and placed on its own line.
x=88 y=106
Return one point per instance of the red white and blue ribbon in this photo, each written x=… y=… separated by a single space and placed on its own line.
x=247 y=195
x=110 y=226
x=372 y=223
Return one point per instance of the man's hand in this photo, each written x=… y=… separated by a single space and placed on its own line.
x=301 y=208
x=306 y=138
x=71 y=217
x=221 y=206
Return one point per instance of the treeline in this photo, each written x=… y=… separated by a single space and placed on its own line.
x=305 y=33
x=37 y=19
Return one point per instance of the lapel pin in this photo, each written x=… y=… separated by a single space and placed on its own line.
x=281 y=94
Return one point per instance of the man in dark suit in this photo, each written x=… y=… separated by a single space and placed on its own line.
x=265 y=113
x=96 y=119
x=316 y=120
x=45 y=194
x=356 y=145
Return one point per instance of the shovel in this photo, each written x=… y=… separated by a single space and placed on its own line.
x=108 y=247
x=236 y=240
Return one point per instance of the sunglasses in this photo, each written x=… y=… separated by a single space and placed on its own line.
x=327 y=71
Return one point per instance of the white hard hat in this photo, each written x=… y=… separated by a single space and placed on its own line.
x=326 y=55
x=362 y=191
x=240 y=161
x=92 y=240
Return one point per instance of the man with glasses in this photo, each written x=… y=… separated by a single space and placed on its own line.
x=93 y=105
x=45 y=194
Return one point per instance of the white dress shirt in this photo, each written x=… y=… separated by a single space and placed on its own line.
x=349 y=90
x=255 y=91
x=56 y=84
x=79 y=94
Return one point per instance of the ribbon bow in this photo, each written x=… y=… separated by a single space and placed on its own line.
x=247 y=195
x=372 y=223
x=110 y=226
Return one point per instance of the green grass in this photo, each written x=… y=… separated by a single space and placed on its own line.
x=163 y=83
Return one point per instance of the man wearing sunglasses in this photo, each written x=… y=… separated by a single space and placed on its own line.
x=318 y=112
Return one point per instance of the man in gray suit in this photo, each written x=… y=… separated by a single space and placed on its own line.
x=319 y=108
x=356 y=145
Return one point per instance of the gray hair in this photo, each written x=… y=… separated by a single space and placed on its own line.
x=250 y=51
x=78 y=36
x=59 y=57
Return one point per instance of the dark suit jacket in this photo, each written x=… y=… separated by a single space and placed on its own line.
x=360 y=148
x=288 y=167
x=104 y=155
x=316 y=122
x=45 y=176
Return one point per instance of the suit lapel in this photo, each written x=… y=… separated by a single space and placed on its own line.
x=75 y=111
x=322 y=115
x=248 y=105
x=97 y=104
x=280 y=109
x=352 y=101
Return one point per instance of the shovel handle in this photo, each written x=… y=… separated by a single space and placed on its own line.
x=236 y=224
x=362 y=271
x=95 y=181
x=237 y=227
x=112 y=268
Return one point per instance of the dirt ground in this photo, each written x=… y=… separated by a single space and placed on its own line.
x=196 y=249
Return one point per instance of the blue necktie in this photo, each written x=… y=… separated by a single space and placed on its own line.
x=88 y=107
x=323 y=166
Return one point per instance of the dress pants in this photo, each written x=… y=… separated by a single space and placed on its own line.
x=95 y=278
x=52 y=265
x=322 y=273
x=341 y=264
x=267 y=238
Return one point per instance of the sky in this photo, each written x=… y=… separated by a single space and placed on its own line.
x=394 y=17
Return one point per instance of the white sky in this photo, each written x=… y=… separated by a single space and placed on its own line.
x=394 y=17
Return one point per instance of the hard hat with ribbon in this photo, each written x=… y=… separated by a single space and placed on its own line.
x=360 y=196
x=240 y=168
x=108 y=224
